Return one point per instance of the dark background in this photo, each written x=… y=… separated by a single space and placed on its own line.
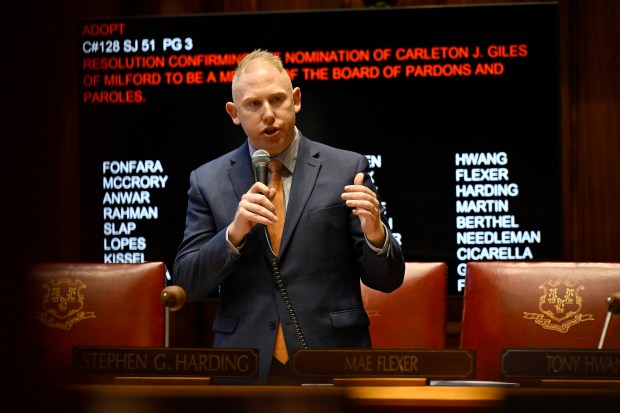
x=417 y=125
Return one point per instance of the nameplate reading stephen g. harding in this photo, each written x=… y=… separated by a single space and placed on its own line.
x=444 y=363
x=561 y=363
x=154 y=361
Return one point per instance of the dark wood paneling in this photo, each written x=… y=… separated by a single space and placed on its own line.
x=592 y=130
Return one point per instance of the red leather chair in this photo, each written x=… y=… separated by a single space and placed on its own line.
x=92 y=304
x=559 y=305
x=413 y=316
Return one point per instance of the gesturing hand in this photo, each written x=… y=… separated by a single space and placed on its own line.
x=366 y=206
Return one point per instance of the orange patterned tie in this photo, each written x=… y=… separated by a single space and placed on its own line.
x=275 y=235
x=275 y=229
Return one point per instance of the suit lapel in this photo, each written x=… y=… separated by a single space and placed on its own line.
x=307 y=170
x=240 y=170
x=241 y=175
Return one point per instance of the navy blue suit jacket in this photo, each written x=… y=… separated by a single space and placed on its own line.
x=323 y=255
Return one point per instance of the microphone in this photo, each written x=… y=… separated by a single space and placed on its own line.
x=260 y=160
x=613 y=305
x=173 y=299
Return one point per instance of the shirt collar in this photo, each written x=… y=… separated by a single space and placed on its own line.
x=288 y=157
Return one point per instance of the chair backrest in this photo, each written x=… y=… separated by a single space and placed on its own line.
x=559 y=305
x=413 y=316
x=92 y=304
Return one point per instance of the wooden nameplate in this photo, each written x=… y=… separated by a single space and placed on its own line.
x=557 y=364
x=384 y=363
x=379 y=381
x=165 y=362
x=163 y=381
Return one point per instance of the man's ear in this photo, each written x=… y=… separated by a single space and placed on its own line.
x=297 y=99
x=232 y=112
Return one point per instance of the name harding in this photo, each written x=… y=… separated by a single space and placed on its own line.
x=185 y=362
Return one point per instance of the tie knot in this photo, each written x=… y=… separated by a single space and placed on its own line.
x=275 y=165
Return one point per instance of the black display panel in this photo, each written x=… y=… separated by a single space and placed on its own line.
x=457 y=109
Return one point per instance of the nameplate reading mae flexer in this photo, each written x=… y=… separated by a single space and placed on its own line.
x=446 y=364
x=155 y=361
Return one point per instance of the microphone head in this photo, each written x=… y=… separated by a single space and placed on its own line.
x=260 y=157
x=613 y=303
x=260 y=160
x=173 y=297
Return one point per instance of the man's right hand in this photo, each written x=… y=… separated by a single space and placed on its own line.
x=254 y=208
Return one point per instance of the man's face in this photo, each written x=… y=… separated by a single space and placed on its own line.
x=265 y=105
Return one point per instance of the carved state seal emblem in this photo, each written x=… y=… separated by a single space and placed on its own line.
x=63 y=304
x=559 y=306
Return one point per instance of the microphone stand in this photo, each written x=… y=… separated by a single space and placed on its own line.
x=173 y=297
x=613 y=304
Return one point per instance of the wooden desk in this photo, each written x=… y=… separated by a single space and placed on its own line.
x=326 y=399
x=482 y=399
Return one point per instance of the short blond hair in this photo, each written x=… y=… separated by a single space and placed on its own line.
x=255 y=57
x=259 y=55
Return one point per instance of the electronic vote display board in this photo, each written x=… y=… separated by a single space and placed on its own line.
x=456 y=109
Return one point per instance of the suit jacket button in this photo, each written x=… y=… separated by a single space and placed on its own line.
x=272 y=325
